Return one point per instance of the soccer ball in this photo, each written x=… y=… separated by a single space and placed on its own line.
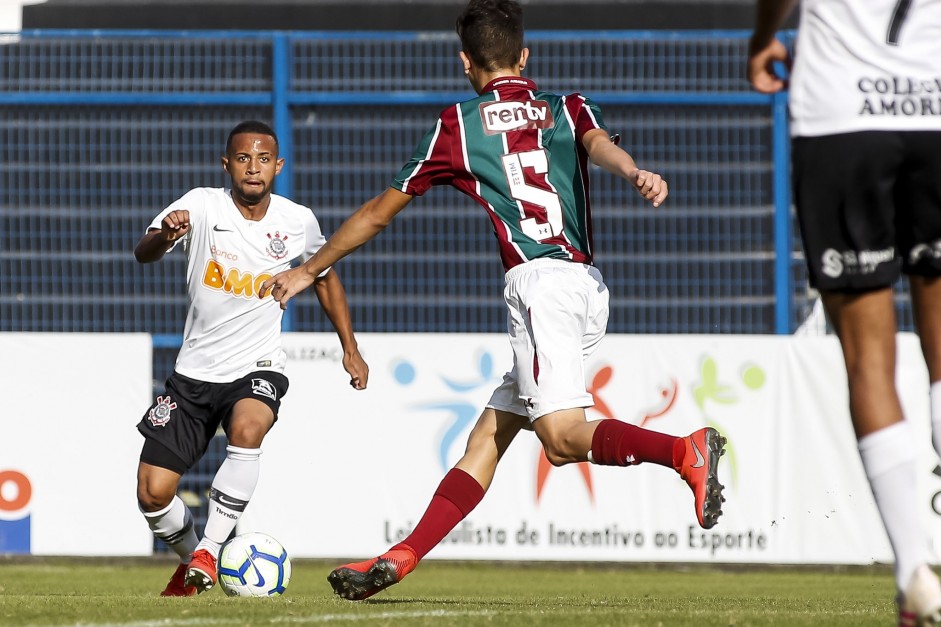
x=254 y=565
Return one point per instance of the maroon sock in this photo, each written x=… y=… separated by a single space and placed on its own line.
x=457 y=495
x=617 y=443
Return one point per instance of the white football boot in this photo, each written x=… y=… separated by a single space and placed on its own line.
x=920 y=605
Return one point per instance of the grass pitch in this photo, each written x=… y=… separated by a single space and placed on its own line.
x=124 y=593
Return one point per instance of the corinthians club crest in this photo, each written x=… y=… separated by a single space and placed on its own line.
x=276 y=246
x=160 y=413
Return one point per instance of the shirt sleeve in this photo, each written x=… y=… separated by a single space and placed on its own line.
x=431 y=163
x=314 y=239
x=192 y=201
x=586 y=114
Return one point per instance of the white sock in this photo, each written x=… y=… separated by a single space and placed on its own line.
x=934 y=394
x=174 y=525
x=232 y=487
x=888 y=457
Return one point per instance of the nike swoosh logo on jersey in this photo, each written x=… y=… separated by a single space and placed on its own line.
x=700 y=460
x=218 y=230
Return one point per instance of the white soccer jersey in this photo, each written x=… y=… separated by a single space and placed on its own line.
x=866 y=65
x=229 y=331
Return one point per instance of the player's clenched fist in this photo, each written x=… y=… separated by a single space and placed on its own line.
x=175 y=225
x=650 y=185
x=761 y=70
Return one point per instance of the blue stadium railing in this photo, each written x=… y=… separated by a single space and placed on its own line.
x=110 y=126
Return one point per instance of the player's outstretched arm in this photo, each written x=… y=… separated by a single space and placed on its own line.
x=365 y=223
x=764 y=49
x=154 y=245
x=332 y=298
x=604 y=153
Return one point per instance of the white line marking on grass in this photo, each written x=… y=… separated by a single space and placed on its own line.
x=329 y=618
x=317 y=618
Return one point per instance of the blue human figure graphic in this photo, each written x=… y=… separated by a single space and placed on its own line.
x=463 y=412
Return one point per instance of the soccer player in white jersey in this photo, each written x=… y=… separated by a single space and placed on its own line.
x=523 y=155
x=229 y=371
x=865 y=106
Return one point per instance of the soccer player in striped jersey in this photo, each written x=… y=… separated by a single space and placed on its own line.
x=522 y=154
x=229 y=371
x=865 y=107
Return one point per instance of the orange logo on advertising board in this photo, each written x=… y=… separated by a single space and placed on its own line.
x=16 y=491
x=19 y=496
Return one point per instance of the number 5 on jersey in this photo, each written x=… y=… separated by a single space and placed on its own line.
x=514 y=165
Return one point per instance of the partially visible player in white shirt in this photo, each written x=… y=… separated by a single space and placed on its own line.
x=229 y=371
x=864 y=66
x=865 y=107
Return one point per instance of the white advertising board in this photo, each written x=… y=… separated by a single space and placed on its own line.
x=347 y=473
x=68 y=446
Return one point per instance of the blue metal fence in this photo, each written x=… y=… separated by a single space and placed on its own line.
x=104 y=128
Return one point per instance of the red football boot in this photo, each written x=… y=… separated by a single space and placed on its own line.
x=363 y=579
x=177 y=587
x=699 y=469
x=201 y=573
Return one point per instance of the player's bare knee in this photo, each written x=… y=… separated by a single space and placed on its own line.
x=247 y=434
x=151 y=500
x=156 y=488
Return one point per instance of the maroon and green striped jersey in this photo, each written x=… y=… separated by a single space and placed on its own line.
x=518 y=152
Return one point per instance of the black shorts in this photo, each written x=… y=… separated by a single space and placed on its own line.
x=869 y=206
x=184 y=420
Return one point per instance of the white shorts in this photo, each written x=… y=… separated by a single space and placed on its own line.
x=558 y=313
